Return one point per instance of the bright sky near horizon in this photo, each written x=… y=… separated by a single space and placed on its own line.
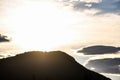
x=60 y=22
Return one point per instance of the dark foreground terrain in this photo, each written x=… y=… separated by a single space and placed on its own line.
x=37 y=65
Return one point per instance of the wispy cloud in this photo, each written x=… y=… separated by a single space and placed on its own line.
x=98 y=6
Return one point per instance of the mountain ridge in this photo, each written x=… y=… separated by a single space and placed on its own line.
x=36 y=65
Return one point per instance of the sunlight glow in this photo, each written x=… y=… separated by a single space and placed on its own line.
x=40 y=25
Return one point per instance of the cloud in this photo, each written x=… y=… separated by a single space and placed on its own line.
x=108 y=65
x=100 y=6
x=99 y=49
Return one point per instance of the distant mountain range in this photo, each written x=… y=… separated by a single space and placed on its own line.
x=36 y=65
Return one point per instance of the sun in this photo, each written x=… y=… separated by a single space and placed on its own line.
x=40 y=25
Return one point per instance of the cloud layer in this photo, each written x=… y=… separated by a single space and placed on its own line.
x=99 y=7
x=108 y=65
x=99 y=49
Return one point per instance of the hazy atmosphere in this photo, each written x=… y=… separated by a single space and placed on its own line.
x=86 y=29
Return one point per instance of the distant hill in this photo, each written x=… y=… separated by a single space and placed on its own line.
x=37 y=65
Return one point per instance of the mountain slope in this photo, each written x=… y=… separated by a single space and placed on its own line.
x=37 y=65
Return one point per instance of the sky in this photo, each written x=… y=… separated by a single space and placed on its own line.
x=98 y=20
x=60 y=22
x=80 y=21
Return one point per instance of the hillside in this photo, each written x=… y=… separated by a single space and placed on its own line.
x=37 y=65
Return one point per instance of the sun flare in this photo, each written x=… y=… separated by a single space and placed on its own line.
x=40 y=25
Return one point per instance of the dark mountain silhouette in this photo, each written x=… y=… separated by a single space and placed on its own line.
x=36 y=65
x=99 y=49
x=108 y=65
